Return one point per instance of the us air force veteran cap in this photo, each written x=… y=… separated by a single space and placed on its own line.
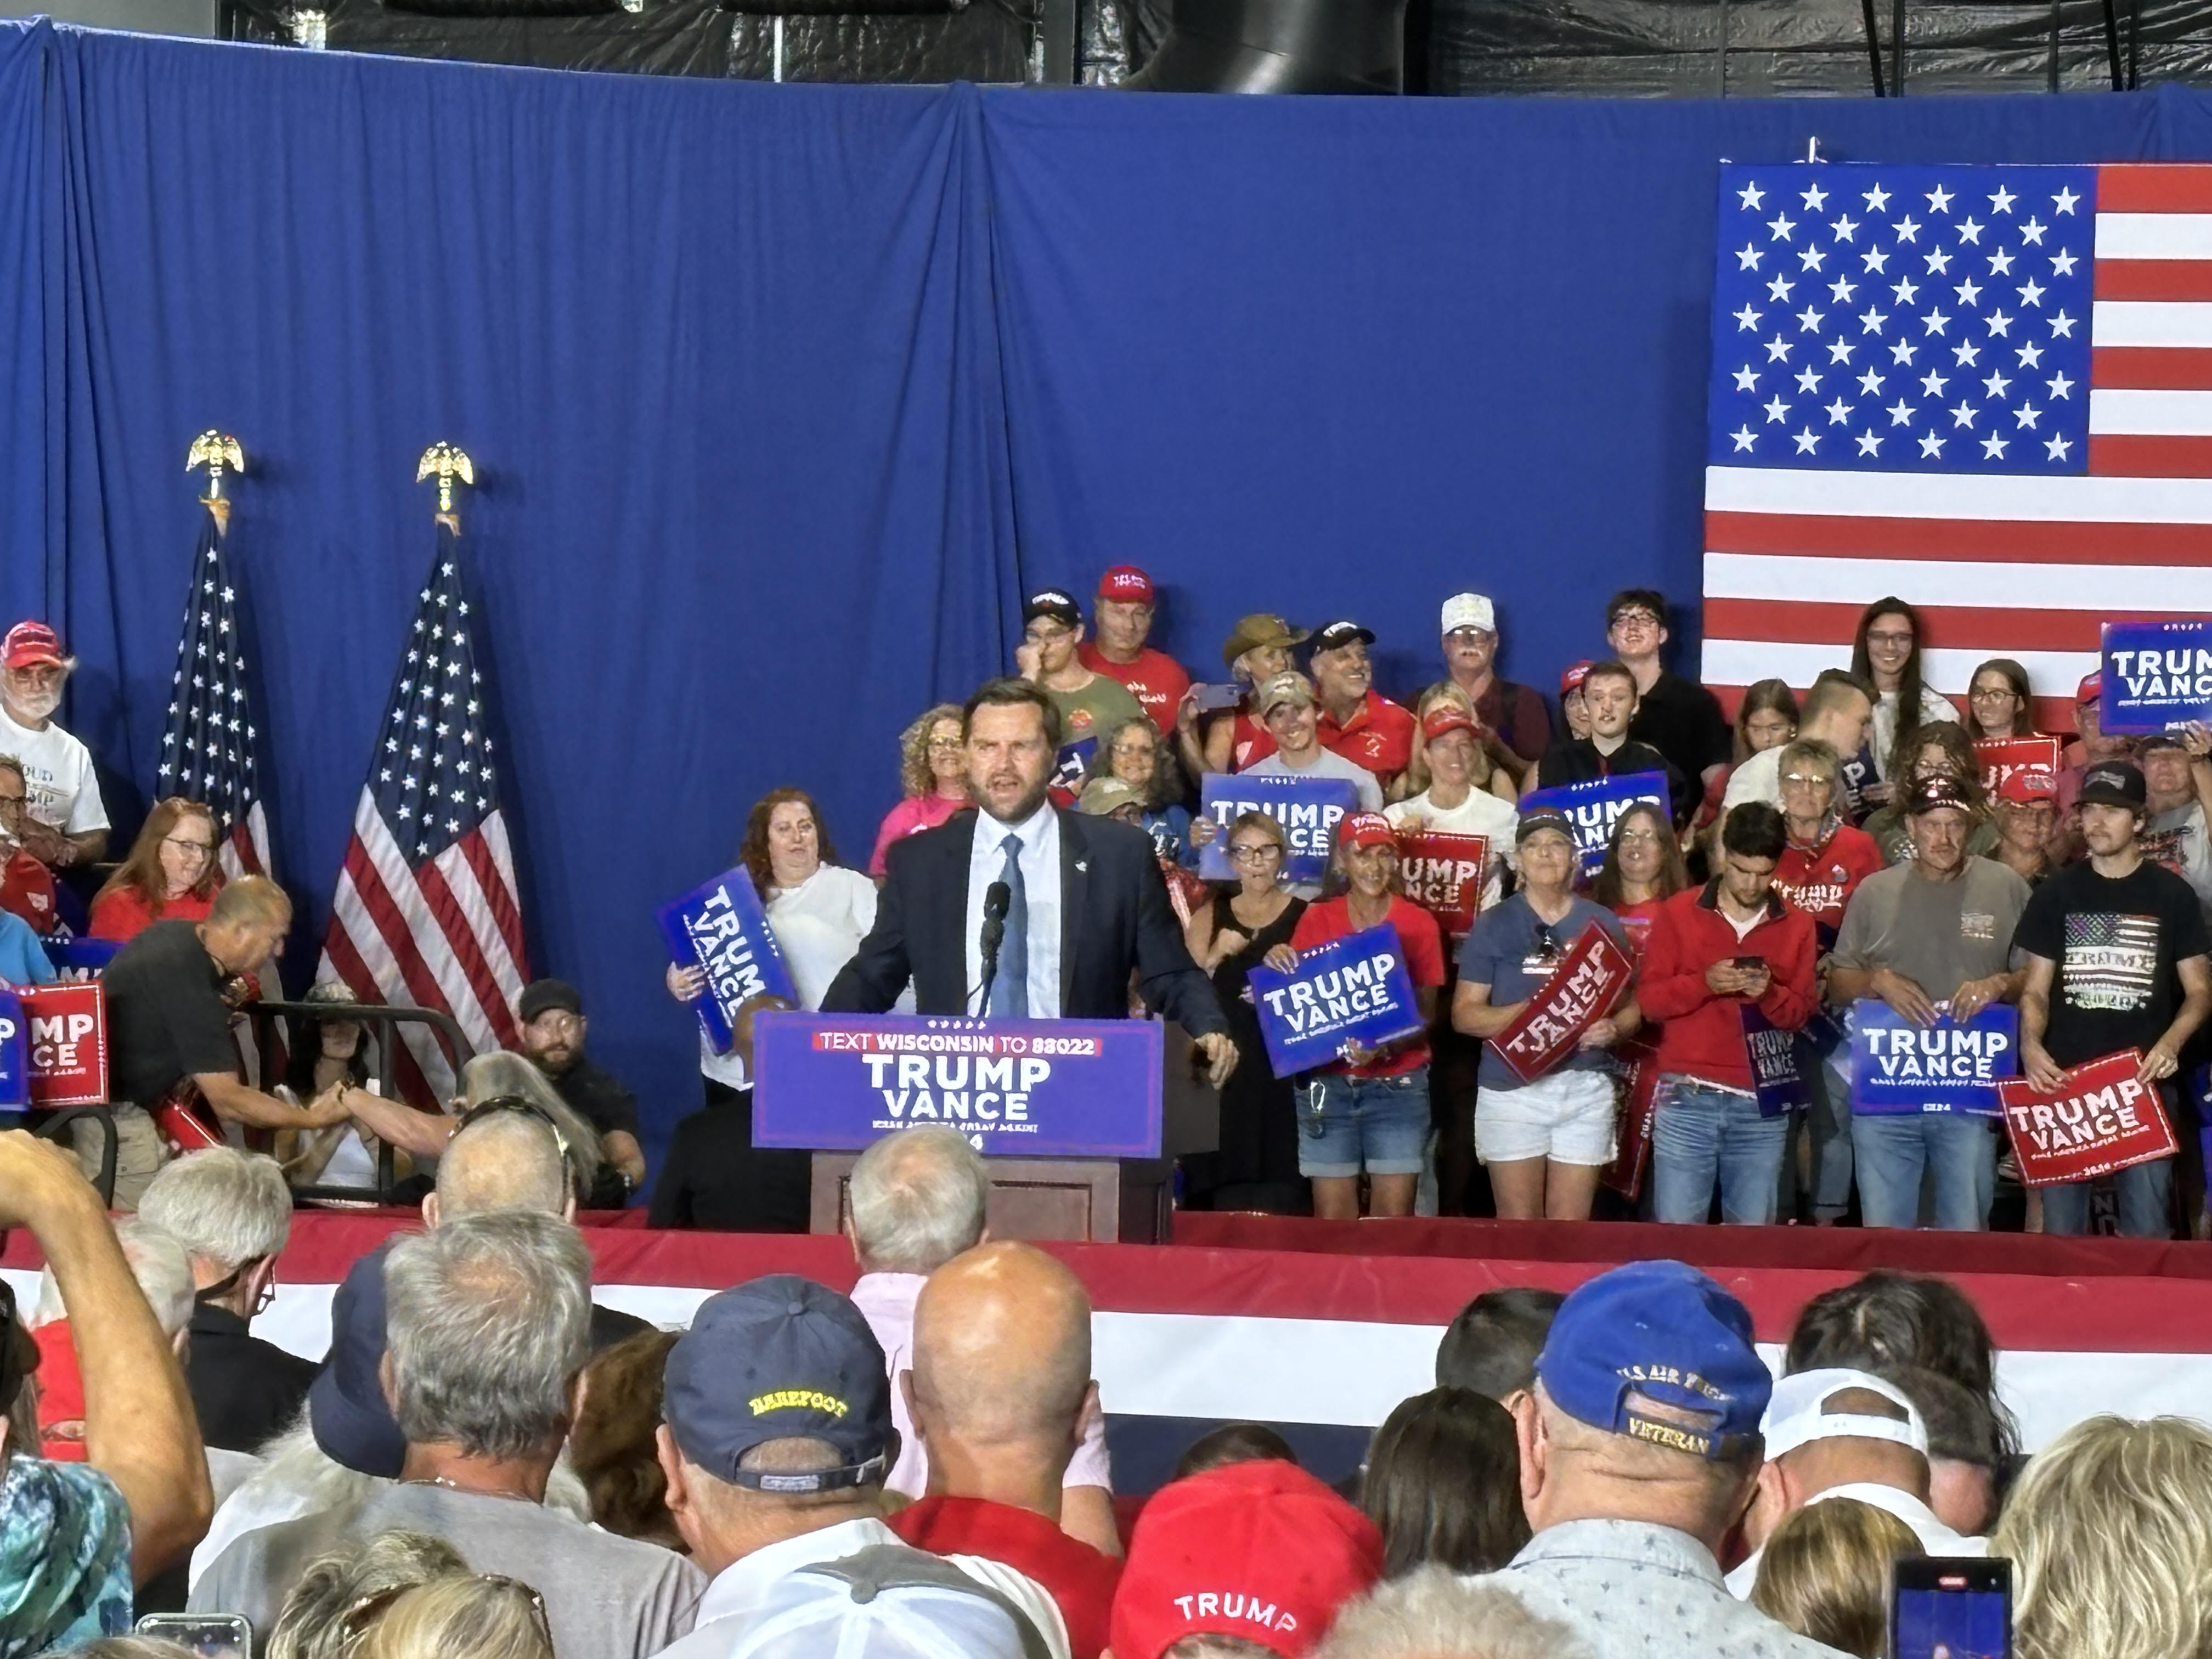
x=1659 y=1352
x=780 y=1359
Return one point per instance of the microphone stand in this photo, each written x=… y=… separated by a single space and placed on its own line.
x=996 y=897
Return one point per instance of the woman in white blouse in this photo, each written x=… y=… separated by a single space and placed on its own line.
x=820 y=912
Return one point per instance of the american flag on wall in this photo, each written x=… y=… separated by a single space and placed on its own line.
x=1986 y=390
x=209 y=745
x=427 y=913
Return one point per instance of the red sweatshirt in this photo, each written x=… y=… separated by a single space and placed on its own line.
x=1701 y=1035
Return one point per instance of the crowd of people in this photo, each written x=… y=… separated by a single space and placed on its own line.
x=486 y=1465
x=1832 y=850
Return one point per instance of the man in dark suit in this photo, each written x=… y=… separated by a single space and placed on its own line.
x=1085 y=904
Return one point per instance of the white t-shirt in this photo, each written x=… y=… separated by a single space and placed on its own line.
x=817 y=925
x=1480 y=814
x=58 y=769
x=1883 y=736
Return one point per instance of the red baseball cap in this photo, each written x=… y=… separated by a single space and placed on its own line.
x=33 y=645
x=1259 y=1550
x=1449 y=717
x=2091 y=689
x=1367 y=830
x=2028 y=785
x=1573 y=678
x=1126 y=584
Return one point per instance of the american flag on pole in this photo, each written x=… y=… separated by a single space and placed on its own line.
x=1985 y=390
x=427 y=913
x=209 y=745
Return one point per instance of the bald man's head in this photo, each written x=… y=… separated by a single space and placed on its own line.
x=1002 y=1349
x=503 y=1161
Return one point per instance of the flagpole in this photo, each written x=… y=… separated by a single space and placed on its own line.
x=446 y=462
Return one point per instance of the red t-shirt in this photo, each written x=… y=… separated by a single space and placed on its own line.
x=122 y=913
x=26 y=887
x=61 y=1394
x=1156 y=680
x=1418 y=937
x=1820 y=880
x=1080 y=1578
x=1636 y=920
x=1379 y=735
x=1250 y=743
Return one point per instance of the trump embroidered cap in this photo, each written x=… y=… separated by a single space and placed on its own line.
x=1936 y=792
x=1126 y=584
x=780 y=1359
x=1809 y=1405
x=1573 y=678
x=1334 y=636
x=33 y=645
x=1449 y=717
x=1367 y=830
x=2027 y=786
x=1052 y=602
x=2092 y=688
x=2112 y=783
x=1659 y=1352
x=1260 y=1549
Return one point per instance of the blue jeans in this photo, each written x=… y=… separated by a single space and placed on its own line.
x=1378 y=1123
x=1894 y=1150
x=1700 y=1135
x=2146 y=1195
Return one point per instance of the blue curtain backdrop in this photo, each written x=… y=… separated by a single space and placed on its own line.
x=780 y=396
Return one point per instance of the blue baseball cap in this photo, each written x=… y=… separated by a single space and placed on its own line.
x=346 y=1407
x=780 y=1359
x=1657 y=1333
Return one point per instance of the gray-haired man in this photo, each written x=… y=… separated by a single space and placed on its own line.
x=486 y=1319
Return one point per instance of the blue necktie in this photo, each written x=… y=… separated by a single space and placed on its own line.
x=1010 y=991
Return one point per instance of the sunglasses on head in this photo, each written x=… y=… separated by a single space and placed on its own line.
x=496 y=1104
x=358 y=1620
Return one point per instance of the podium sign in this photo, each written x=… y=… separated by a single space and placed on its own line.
x=1017 y=1088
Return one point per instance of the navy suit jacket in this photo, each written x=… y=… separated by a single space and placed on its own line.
x=1114 y=919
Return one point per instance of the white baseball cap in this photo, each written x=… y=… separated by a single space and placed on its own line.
x=1469 y=610
x=1798 y=1412
x=810 y=1614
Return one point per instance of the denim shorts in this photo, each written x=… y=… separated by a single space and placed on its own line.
x=1379 y=1124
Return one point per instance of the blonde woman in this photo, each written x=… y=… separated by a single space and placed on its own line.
x=2110 y=1535
x=933 y=772
x=487 y=1617
x=1825 y=1574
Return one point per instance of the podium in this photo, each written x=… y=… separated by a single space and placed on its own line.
x=1108 y=1107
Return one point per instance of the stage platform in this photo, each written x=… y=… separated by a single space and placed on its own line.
x=1319 y=1327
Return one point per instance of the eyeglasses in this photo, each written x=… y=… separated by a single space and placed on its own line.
x=1254 y=852
x=1635 y=619
x=263 y=1299
x=1547 y=942
x=1046 y=636
x=1887 y=637
x=204 y=849
x=1647 y=838
x=358 y=1620
x=936 y=744
x=1992 y=693
x=1806 y=779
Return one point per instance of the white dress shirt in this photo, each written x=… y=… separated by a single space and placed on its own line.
x=1040 y=866
x=1935 y=1538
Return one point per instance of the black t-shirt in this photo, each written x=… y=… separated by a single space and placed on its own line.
x=1683 y=722
x=2116 y=942
x=166 y=1016
x=593 y=1092
x=1577 y=760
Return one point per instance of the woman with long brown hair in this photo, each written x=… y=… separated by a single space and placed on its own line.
x=818 y=912
x=1886 y=653
x=173 y=873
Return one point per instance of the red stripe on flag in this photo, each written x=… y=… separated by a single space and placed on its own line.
x=2120 y=455
x=2151 y=369
x=2153 y=279
x=338 y=946
x=500 y=897
x=242 y=841
x=1996 y=631
x=2158 y=187
x=384 y=910
x=2010 y=542
x=446 y=910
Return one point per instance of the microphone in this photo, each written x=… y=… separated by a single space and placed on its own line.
x=996 y=897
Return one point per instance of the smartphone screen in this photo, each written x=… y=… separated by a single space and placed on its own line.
x=211 y=1635
x=1750 y=965
x=1213 y=699
x=1951 y=1608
